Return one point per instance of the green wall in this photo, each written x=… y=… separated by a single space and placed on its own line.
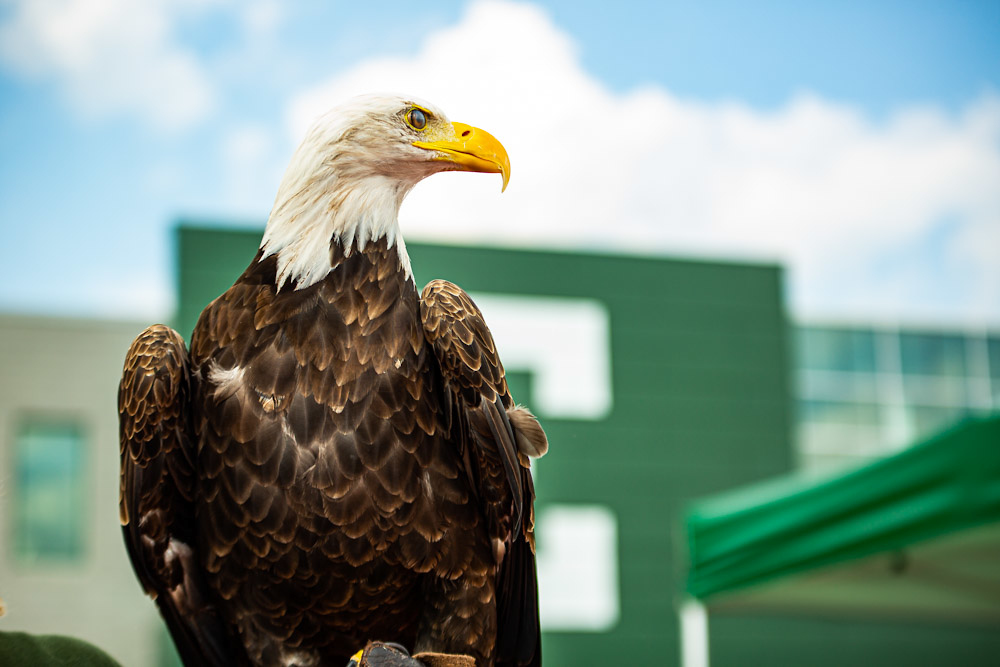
x=701 y=400
x=701 y=403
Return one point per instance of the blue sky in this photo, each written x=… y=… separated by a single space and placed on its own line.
x=857 y=143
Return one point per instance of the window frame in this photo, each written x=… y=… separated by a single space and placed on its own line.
x=20 y=421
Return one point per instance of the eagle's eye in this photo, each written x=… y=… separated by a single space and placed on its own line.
x=416 y=118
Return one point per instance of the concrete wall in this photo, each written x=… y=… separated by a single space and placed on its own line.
x=69 y=369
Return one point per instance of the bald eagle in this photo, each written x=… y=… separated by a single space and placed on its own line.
x=337 y=458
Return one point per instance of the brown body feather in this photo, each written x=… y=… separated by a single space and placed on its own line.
x=330 y=465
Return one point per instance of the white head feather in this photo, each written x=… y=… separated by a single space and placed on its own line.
x=346 y=181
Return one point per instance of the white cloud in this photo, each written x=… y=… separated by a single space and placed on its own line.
x=815 y=184
x=111 y=56
x=250 y=166
x=261 y=18
x=246 y=143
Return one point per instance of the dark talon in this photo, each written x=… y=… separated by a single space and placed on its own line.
x=384 y=654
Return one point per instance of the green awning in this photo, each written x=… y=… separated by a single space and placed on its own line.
x=946 y=485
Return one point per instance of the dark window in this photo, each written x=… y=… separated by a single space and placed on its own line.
x=836 y=349
x=993 y=345
x=49 y=511
x=838 y=412
x=930 y=354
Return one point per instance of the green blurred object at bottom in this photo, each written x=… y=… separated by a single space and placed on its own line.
x=21 y=648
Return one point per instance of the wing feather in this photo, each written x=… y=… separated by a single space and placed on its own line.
x=498 y=439
x=503 y=437
x=157 y=487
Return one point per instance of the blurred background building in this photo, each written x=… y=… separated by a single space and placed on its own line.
x=63 y=565
x=774 y=232
x=866 y=391
x=684 y=378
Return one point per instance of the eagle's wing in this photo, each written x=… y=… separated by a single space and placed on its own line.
x=156 y=493
x=499 y=437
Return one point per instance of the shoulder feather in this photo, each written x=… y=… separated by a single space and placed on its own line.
x=156 y=491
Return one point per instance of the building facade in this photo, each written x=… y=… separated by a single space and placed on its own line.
x=63 y=565
x=864 y=392
x=657 y=380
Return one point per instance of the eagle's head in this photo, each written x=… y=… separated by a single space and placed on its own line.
x=348 y=177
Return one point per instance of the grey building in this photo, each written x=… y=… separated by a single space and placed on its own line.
x=63 y=565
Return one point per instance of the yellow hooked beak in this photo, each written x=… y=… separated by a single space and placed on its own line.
x=471 y=149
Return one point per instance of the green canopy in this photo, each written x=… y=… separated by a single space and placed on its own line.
x=945 y=487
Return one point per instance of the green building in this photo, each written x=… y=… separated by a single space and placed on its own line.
x=657 y=381
x=660 y=381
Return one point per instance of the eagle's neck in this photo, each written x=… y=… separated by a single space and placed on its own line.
x=328 y=208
